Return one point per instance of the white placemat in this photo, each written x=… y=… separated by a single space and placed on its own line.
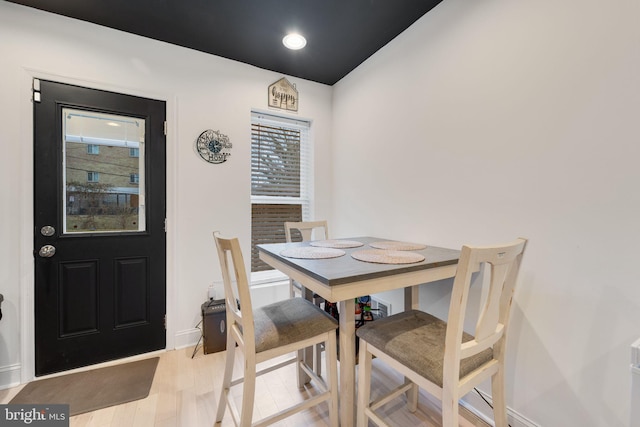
x=309 y=252
x=331 y=243
x=380 y=256
x=398 y=246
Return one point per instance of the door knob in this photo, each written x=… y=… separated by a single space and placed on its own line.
x=47 y=251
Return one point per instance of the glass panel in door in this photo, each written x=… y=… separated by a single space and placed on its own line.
x=103 y=172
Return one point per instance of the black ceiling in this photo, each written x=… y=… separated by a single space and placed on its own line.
x=340 y=34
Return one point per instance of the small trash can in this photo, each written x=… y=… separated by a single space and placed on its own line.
x=214 y=328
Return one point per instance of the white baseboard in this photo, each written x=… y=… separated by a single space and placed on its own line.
x=474 y=403
x=10 y=376
x=187 y=338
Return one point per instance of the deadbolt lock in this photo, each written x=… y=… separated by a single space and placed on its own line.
x=47 y=231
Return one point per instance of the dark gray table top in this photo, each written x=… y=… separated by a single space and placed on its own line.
x=345 y=269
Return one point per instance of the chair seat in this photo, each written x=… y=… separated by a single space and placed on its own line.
x=416 y=340
x=289 y=321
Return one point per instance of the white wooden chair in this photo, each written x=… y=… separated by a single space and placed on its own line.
x=316 y=230
x=266 y=333
x=309 y=230
x=439 y=356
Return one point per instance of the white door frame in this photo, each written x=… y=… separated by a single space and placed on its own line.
x=27 y=265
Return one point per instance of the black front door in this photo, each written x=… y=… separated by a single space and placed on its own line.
x=99 y=215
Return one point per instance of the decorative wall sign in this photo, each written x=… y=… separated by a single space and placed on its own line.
x=283 y=95
x=213 y=146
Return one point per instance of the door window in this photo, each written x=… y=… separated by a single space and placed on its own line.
x=103 y=172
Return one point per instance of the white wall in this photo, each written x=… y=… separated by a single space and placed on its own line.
x=490 y=120
x=202 y=91
x=484 y=121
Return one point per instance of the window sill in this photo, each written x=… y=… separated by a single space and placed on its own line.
x=267 y=277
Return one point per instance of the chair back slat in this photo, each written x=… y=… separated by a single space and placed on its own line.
x=306 y=229
x=490 y=313
x=501 y=264
x=231 y=258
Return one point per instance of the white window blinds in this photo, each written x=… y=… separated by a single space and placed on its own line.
x=280 y=171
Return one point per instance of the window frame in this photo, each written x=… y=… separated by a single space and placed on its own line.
x=93 y=176
x=305 y=198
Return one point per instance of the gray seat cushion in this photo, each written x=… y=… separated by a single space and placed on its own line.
x=416 y=339
x=289 y=321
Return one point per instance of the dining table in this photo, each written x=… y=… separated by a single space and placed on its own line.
x=341 y=278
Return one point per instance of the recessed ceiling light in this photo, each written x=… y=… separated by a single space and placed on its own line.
x=294 y=41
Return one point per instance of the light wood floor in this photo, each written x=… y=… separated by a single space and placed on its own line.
x=185 y=393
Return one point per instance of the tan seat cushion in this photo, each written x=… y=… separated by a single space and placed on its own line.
x=289 y=321
x=416 y=339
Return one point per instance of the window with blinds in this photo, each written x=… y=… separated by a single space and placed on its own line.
x=280 y=171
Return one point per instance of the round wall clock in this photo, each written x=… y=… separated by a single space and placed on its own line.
x=213 y=146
